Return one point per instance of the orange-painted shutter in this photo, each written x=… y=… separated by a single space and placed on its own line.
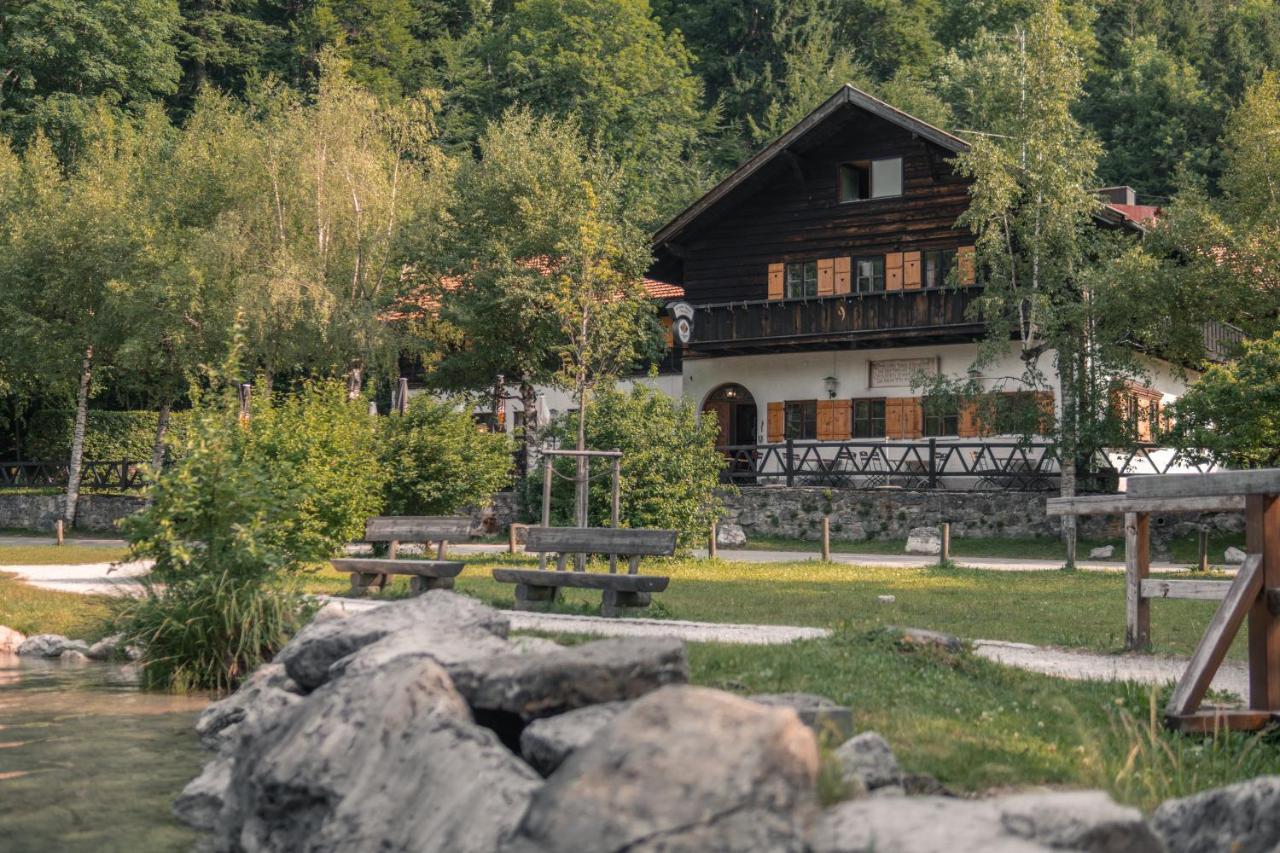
x=1044 y=403
x=911 y=270
x=915 y=417
x=826 y=419
x=968 y=421
x=895 y=417
x=775 y=281
x=893 y=271
x=777 y=422
x=668 y=336
x=965 y=264
x=842 y=427
x=843 y=275
x=826 y=276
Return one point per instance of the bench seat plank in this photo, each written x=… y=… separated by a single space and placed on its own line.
x=422 y=568
x=582 y=580
x=1185 y=589
x=1120 y=504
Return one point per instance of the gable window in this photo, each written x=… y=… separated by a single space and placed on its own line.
x=802 y=279
x=937 y=265
x=868 y=418
x=864 y=179
x=869 y=273
x=802 y=419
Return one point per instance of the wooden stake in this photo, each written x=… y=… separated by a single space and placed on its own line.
x=1203 y=564
x=712 y=547
x=944 y=556
x=511 y=538
x=1137 y=566
x=826 y=539
x=58 y=530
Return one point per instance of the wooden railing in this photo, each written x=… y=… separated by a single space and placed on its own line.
x=124 y=475
x=897 y=315
x=975 y=465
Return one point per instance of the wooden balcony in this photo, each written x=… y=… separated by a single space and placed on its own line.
x=873 y=319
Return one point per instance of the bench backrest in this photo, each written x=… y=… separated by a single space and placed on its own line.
x=417 y=528
x=601 y=540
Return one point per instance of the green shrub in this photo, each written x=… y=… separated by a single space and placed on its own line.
x=438 y=462
x=109 y=436
x=670 y=465
x=231 y=525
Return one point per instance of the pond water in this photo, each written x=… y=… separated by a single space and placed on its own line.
x=88 y=762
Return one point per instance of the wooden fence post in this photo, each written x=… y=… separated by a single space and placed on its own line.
x=944 y=555
x=1203 y=562
x=1137 y=566
x=712 y=547
x=826 y=539
x=58 y=530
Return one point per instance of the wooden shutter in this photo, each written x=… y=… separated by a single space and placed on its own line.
x=902 y=417
x=668 y=336
x=965 y=265
x=915 y=417
x=911 y=271
x=826 y=419
x=826 y=276
x=842 y=422
x=893 y=271
x=776 y=272
x=843 y=275
x=968 y=421
x=1044 y=404
x=777 y=422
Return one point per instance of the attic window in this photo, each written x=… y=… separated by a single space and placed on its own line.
x=864 y=179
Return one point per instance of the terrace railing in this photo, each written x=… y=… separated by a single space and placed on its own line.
x=122 y=475
x=932 y=464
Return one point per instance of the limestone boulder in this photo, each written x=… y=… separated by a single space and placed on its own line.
x=10 y=640
x=73 y=656
x=867 y=760
x=446 y=647
x=924 y=540
x=49 y=646
x=1104 y=553
x=547 y=742
x=109 y=648
x=730 y=535
x=542 y=685
x=1086 y=821
x=313 y=650
x=1243 y=818
x=201 y=801
x=826 y=717
x=264 y=695
x=1234 y=556
x=388 y=761
x=682 y=769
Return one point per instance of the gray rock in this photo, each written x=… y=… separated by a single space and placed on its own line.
x=308 y=656
x=547 y=742
x=1029 y=823
x=10 y=639
x=201 y=801
x=826 y=717
x=532 y=686
x=867 y=758
x=886 y=599
x=925 y=637
x=1242 y=818
x=387 y=761
x=263 y=695
x=924 y=540
x=729 y=535
x=445 y=646
x=1234 y=556
x=682 y=769
x=1103 y=553
x=50 y=646
x=73 y=656
x=107 y=648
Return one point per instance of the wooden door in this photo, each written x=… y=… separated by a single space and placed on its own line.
x=721 y=412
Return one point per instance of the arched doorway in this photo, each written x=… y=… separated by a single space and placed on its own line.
x=735 y=411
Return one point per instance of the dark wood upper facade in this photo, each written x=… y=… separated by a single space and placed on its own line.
x=784 y=207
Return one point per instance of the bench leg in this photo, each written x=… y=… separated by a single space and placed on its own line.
x=362 y=582
x=419 y=584
x=615 y=602
x=530 y=597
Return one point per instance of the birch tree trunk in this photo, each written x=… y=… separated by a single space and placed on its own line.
x=1067 y=446
x=77 y=438
x=162 y=428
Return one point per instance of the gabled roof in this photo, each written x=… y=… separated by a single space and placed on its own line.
x=848 y=95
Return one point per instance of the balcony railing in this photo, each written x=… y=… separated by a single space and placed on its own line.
x=933 y=464
x=124 y=475
x=911 y=314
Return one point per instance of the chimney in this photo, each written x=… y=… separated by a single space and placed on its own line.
x=1118 y=195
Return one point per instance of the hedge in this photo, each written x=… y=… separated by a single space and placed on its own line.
x=109 y=436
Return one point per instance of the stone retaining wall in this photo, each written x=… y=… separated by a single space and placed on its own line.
x=857 y=515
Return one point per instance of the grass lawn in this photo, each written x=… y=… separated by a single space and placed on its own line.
x=32 y=610
x=1183 y=551
x=48 y=555
x=1074 y=609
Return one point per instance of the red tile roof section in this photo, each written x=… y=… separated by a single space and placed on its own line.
x=1140 y=213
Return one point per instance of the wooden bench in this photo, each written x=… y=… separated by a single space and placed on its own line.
x=423 y=574
x=538 y=588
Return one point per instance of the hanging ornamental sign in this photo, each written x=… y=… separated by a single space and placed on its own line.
x=681 y=321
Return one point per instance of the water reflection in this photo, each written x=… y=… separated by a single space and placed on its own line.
x=88 y=762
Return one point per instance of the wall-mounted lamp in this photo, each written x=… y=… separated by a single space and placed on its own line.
x=832 y=384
